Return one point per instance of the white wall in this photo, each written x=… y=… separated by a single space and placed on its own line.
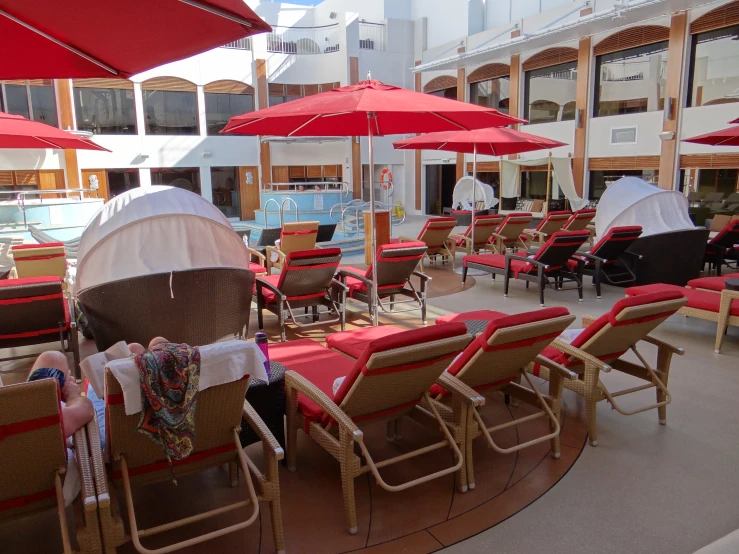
x=327 y=153
x=13 y=158
x=214 y=65
x=698 y=121
x=447 y=19
x=306 y=69
x=562 y=131
x=648 y=143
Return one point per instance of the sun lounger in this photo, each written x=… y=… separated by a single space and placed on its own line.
x=509 y=233
x=294 y=237
x=551 y=223
x=604 y=261
x=580 y=220
x=40 y=260
x=720 y=249
x=70 y=246
x=716 y=284
x=485 y=225
x=434 y=235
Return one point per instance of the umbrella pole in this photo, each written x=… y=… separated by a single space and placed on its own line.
x=549 y=184
x=373 y=230
x=474 y=190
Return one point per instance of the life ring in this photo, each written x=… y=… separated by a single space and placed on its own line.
x=386 y=178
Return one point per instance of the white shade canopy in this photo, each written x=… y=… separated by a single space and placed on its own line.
x=154 y=230
x=633 y=201
x=463 y=192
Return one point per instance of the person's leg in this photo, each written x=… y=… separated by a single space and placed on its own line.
x=52 y=359
x=136 y=348
x=157 y=340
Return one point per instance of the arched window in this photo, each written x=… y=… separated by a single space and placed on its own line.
x=170 y=106
x=33 y=99
x=224 y=100
x=445 y=86
x=550 y=81
x=490 y=86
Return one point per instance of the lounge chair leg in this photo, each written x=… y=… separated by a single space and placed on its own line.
x=233 y=474
x=291 y=401
x=346 y=452
x=591 y=393
x=542 y=284
x=556 y=386
x=315 y=314
x=469 y=467
x=398 y=434
x=275 y=515
x=505 y=284
x=664 y=358
x=464 y=274
x=260 y=315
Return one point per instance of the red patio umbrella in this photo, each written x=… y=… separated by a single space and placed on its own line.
x=724 y=137
x=18 y=132
x=734 y=121
x=368 y=108
x=488 y=142
x=45 y=39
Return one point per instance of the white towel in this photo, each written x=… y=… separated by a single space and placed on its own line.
x=222 y=362
x=568 y=335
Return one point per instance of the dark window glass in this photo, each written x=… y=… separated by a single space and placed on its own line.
x=224 y=182
x=43 y=104
x=219 y=108
x=170 y=112
x=548 y=91
x=631 y=81
x=105 y=111
x=275 y=100
x=717 y=180
x=600 y=180
x=534 y=184
x=495 y=93
x=187 y=178
x=16 y=98
x=714 y=67
x=446 y=93
x=121 y=180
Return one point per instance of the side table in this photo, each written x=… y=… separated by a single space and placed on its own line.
x=268 y=400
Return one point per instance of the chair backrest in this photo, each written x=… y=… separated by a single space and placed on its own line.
x=435 y=232
x=298 y=235
x=485 y=225
x=218 y=411
x=629 y=321
x=308 y=273
x=553 y=221
x=32 y=310
x=579 y=220
x=326 y=232
x=40 y=260
x=396 y=263
x=393 y=373
x=513 y=225
x=728 y=236
x=32 y=446
x=196 y=306
x=508 y=345
x=560 y=247
x=268 y=237
x=615 y=242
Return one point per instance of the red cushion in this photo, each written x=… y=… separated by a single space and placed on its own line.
x=31 y=246
x=399 y=245
x=29 y=281
x=316 y=363
x=497 y=261
x=698 y=299
x=315 y=253
x=269 y=296
x=256 y=268
x=352 y=343
x=351 y=282
x=477 y=315
x=712 y=283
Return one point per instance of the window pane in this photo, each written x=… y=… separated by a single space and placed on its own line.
x=224 y=183
x=219 y=108
x=17 y=100
x=600 y=180
x=105 y=111
x=446 y=93
x=171 y=112
x=44 y=105
x=121 y=180
x=550 y=93
x=187 y=178
x=275 y=100
x=492 y=94
x=715 y=69
x=631 y=81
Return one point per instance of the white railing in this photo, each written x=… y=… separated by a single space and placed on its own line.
x=241 y=44
x=631 y=71
x=371 y=36
x=304 y=40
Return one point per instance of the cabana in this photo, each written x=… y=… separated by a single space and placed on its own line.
x=462 y=198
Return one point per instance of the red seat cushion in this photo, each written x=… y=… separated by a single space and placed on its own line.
x=256 y=268
x=32 y=246
x=698 y=299
x=28 y=281
x=712 y=283
x=497 y=261
x=351 y=282
x=477 y=315
x=269 y=296
x=352 y=343
x=316 y=363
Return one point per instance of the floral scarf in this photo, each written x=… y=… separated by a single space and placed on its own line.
x=169 y=376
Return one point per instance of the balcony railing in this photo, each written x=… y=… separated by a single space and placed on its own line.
x=241 y=44
x=304 y=40
x=632 y=71
x=371 y=36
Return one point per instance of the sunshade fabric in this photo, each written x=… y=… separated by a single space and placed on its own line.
x=155 y=230
x=343 y=111
x=490 y=142
x=463 y=192
x=18 y=132
x=633 y=201
x=724 y=137
x=129 y=37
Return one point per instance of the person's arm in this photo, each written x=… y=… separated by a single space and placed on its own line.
x=78 y=410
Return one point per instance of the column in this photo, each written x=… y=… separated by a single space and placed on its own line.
x=579 y=163
x=418 y=156
x=356 y=145
x=66 y=118
x=462 y=97
x=265 y=159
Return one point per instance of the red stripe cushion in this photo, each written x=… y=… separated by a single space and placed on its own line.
x=32 y=246
x=352 y=343
x=268 y=295
x=316 y=253
x=256 y=268
x=698 y=299
x=477 y=315
x=712 y=283
x=29 y=281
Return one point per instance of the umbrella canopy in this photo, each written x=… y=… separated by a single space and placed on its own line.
x=489 y=142
x=18 y=132
x=735 y=121
x=724 y=137
x=345 y=110
x=89 y=38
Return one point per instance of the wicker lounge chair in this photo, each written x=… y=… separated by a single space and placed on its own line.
x=294 y=237
x=138 y=461
x=721 y=307
x=485 y=225
x=604 y=261
x=197 y=306
x=34 y=311
x=495 y=361
x=579 y=220
x=509 y=233
x=716 y=284
x=552 y=264
x=434 y=235
x=603 y=342
x=396 y=264
x=720 y=249
x=70 y=246
x=33 y=457
x=306 y=281
x=259 y=267
x=40 y=260
x=389 y=380
x=551 y=223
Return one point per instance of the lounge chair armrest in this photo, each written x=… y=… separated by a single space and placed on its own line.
x=258 y=255
x=406 y=239
x=304 y=386
x=632 y=255
x=522 y=259
x=497 y=236
x=339 y=284
x=554 y=366
x=273 y=249
x=97 y=462
x=347 y=273
x=589 y=256
x=271 y=446
x=664 y=344
x=87 y=482
x=732 y=294
x=421 y=275
x=581 y=355
x=267 y=285
x=455 y=386
x=587 y=320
